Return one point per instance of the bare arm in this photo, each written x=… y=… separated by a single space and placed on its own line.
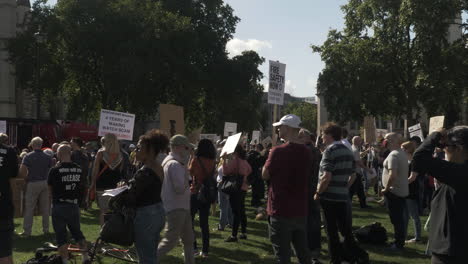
x=391 y=178
x=23 y=171
x=95 y=172
x=265 y=174
x=351 y=179
x=413 y=176
x=323 y=182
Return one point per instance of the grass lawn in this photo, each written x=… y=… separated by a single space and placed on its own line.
x=257 y=249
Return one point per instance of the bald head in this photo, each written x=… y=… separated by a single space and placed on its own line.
x=357 y=141
x=64 y=153
x=394 y=140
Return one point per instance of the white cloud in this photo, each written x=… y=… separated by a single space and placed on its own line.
x=290 y=87
x=237 y=46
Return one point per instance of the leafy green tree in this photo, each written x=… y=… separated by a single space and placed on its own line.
x=306 y=111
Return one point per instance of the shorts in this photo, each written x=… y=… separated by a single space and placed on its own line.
x=102 y=201
x=6 y=234
x=66 y=216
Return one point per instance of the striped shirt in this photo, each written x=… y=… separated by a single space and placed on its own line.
x=339 y=161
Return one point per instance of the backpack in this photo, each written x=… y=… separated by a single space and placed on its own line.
x=374 y=233
x=208 y=190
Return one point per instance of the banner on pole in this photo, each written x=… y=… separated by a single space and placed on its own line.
x=117 y=123
x=276 y=84
x=230 y=129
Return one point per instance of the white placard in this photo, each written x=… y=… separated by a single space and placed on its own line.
x=120 y=124
x=231 y=144
x=276 y=83
x=3 y=126
x=435 y=123
x=255 y=137
x=230 y=129
x=416 y=131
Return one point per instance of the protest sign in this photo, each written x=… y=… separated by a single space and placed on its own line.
x=171 y=119
x=369 y=129
x=3 y=126
x=276 y=83
x=266 y=141
x=435 y=123
x=255 y=137
x=230 y=129
x=416 y=131
x=118 y=123
x=231 y=144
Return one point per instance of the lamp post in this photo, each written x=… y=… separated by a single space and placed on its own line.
x=40 y=38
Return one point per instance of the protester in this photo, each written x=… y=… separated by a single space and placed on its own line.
x=448 y=229
x=256 y=162
x=80 y=157
x=8 y=170
x=145 y=196
x=395 y=183
x=176 y=199
x=34 y=170
x=107 y=172
x=65 y=188
x=225 y=212
x=412 y=201
x=288 y=171
x=314 y=221
x=202 y=167
x=336 y=170
x=236 y=164
x=358 y=186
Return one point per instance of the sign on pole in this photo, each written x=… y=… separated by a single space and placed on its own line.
x=171 y=119
x=435 y=123
x=369 y=129
x=416 y=131
x=118 y=123
x=231 y=144
x=276 y=83
x=230 y=129
x=3 y=126
x=255 y=137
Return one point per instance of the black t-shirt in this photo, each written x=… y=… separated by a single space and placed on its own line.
x=80 y=158
x=145 y=188
x=66 y=180
x=8 y=170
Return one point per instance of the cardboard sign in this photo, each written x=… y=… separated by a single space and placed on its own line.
x=276 y=83
x=255 y=137
x=3 y=126
x=117 y=123
x=369 y=129
x=416 y=131
x=231 y=144
x=171 y=119
x=230 y=129
x=435 y=123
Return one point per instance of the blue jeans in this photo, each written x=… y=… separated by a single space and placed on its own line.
x=149 y=221
x=66 y=216
x=413 y=212
x=225 y=216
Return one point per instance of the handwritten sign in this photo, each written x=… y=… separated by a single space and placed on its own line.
x=117 y=123
x=276 y=83
x=416 y=131
x=435 y=123
x=230 y=129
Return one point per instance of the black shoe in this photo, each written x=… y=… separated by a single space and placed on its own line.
x=231 y=239
x=242 y=236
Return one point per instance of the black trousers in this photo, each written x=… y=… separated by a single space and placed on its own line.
x=337 y=217
x=358 y=188
x=258 y=191
x=398 y=212
x=237 y=201
x=314 y=222
x=445 y=259
x=204 y=210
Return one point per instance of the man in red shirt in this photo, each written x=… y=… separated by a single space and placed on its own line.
x=288 y=169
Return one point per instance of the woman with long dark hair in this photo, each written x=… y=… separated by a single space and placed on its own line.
x=236 y=164
x=448 y=229
x=201 y=167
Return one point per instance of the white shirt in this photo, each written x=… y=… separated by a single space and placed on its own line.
x=175 y=192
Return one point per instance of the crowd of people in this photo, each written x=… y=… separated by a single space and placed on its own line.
x=306 y=183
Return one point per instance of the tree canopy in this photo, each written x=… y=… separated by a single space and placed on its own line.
x=306 y=111
x=130 y=55
x=393 y=59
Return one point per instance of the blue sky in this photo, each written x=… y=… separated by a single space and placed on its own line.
x=284 y=30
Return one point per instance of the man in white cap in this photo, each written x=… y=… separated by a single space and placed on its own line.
x=288 y=170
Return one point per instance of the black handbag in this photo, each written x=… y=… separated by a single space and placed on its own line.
x=232 y=184
x=208 y=190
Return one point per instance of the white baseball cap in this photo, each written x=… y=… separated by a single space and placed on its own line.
x=289 y=120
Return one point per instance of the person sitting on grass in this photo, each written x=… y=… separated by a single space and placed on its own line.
x=65 y=185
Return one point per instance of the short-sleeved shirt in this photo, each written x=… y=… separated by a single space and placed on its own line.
x=397 y=161
x=66 y=180
x=38 y=164
x=289 y=168
x=339 y=161
x=8 y=170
